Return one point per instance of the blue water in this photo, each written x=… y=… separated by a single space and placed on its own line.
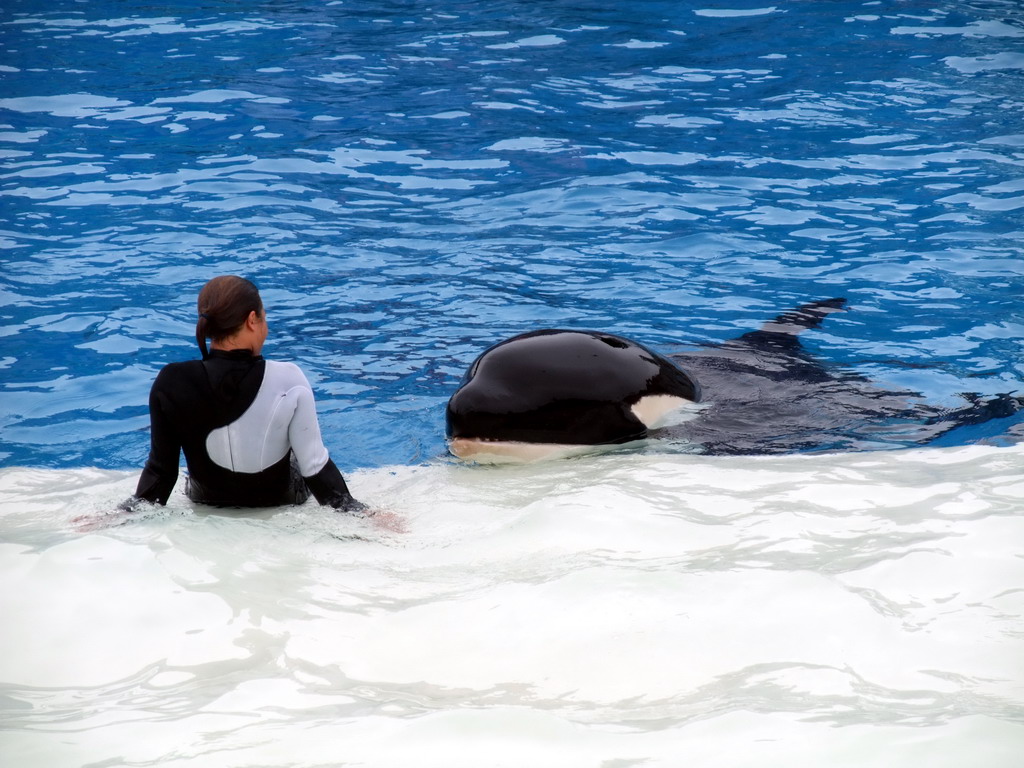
x=409 y=182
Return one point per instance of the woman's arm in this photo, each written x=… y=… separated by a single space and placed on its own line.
x=329 y=488
x=322 y=476
x=161 y=470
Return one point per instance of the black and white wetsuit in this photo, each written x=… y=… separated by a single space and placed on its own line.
x=249 y=430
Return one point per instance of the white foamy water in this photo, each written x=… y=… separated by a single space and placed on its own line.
x=850 y=610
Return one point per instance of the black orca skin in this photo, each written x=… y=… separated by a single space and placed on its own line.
x=761 y=393
x=555 y=386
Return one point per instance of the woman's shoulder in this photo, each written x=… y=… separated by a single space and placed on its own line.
x=284 y=373
x=179 y=370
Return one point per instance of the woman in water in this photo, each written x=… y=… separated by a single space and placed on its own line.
x=248 y=426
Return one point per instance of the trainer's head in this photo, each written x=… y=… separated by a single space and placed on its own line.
x=230 y=307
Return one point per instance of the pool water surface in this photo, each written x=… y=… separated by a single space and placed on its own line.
x=409 y=183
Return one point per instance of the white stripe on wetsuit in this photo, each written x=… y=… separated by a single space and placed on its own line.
x=282 y=416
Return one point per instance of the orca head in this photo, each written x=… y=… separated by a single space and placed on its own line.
x=557 y=391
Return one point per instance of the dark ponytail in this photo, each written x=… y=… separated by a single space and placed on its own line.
x=224 y=304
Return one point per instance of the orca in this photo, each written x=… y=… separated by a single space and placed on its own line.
x=557 y=392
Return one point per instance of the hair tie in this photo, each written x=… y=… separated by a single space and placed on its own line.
x=204 y=316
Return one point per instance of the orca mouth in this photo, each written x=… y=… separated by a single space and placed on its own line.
x=564 y=421
x=487 y=441
x=494 y=451
x=547 y=437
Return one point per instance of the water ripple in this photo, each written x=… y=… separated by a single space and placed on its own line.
x=410 y=185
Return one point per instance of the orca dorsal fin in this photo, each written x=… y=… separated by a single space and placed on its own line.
x=803 y=317
x=782 y=331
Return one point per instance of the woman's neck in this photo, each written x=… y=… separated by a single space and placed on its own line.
x=235 y=352
x=229 y=347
